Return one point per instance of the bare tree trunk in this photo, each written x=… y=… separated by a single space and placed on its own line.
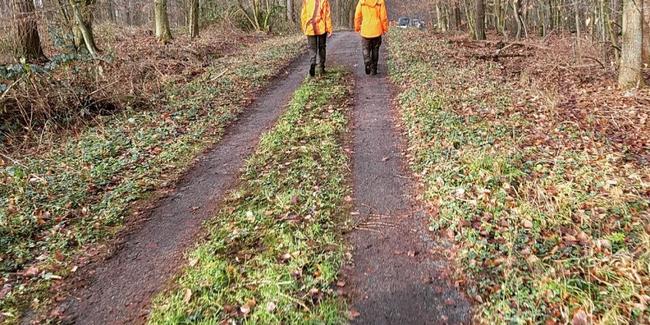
x=480 y=20
x=111 y=11
x=519 y=19
x=82 y=26
x=578 y=52
x=290 y=11
x=613 y=27
x=468 y=8
x=630 y=75
x=551 y=16
x=163 y=32
x=27 y=41
x=442 y=19
x=194 y=18
x=85 y=28
x=498 y=16
x=646 y=32
x=128 y=17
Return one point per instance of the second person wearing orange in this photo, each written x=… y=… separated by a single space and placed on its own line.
x=371 y=21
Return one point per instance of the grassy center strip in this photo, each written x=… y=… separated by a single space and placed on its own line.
x=275 y=248
x=551 y=224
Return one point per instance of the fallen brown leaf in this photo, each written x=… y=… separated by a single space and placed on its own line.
x=580 y=318
x=188 y=296
x=353 y=314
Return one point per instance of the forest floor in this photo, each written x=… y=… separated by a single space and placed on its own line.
x=538 y=168
x=72 y=191
x=468 y=182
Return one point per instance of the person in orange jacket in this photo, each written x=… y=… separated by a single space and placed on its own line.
x=371 y=21
x=316 y=22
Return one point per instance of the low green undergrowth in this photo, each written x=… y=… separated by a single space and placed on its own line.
x=274 y=250
x=79 y=191
x=552 y=224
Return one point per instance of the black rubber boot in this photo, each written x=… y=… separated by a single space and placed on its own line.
x=322 y=70
x=374 y=69
x=312 y=70
x=368 y=68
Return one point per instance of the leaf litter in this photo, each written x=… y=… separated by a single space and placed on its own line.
x=61 y=201
x=541 y=177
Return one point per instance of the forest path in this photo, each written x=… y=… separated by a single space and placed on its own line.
x=395 y=277
x=119 y=290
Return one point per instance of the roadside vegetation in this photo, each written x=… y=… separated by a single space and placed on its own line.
x=274 y=250
x=539 y=175
x=65 y=190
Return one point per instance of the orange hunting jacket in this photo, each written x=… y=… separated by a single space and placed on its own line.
x=371 y=18
x=316 y=17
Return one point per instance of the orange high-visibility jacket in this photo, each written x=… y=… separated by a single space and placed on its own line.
x=316 y=17
x=371 y=18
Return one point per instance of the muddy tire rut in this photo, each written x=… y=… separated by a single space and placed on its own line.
x=395 y=276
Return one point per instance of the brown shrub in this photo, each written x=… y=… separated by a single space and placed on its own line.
x=133 y=74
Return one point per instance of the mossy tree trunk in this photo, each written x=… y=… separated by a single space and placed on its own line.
x=163 y=32
x=83 y=30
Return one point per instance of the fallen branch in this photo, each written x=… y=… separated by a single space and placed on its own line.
x=14 y=161
x=575 y=67
x=548 y=36
x=504 y=48
x=219 y=75
x=595 y=59
x=10 y=86
x=496 y=57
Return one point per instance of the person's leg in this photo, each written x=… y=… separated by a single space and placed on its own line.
x=375 y=54
x=366 y=46
x=322 y=51
x=313 y=52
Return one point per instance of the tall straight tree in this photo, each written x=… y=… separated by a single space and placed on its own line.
x=194 y=18
x=290 y=11
x=630 y=75
x=27 y=41
x=457 y=15
x=480 y=20
x=163 y=32
x=646 y=32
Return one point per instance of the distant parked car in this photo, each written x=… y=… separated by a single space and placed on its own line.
x=403 y=22
x=417 y=23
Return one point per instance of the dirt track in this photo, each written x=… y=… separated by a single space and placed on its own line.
x=395 y=278
x=120 y=288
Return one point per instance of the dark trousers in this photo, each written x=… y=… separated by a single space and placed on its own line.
x=318 y=48
x=371 y=51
